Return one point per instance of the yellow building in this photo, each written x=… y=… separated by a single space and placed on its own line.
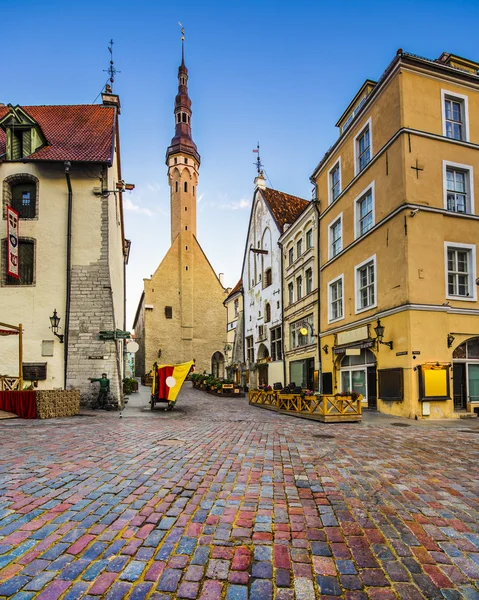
x=299 y=245
x=234 y=354
x=181 y=315
x=398 y=228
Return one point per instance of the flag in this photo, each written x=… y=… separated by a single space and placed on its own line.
x=12 y=243
x=256 y=150
x=168 y=380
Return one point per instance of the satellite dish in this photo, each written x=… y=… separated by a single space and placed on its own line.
x=132 y=347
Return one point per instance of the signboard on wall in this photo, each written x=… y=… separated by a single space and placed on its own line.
x=353 y=335
x=12 y=243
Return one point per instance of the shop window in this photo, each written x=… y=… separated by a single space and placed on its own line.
x=391 y=384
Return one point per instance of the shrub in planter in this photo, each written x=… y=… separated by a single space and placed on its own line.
x=130 y=385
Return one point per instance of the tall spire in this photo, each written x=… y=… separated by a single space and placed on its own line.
x=182 y=140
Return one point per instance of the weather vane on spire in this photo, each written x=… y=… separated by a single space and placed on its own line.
x=258 y=163
x=111 y=69
x=182 y=41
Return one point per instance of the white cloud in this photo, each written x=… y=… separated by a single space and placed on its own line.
x=129 y=205
x=240 y=205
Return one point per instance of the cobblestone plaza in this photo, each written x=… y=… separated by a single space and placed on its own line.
x=221 y=500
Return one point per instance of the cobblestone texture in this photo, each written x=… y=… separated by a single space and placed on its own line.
x=219 y=500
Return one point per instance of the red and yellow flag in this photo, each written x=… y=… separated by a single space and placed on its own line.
x=169 y=379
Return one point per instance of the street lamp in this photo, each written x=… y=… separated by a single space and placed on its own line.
x=55 y=322
x=379 y=331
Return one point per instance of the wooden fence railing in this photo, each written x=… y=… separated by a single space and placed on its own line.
x=326 y=408
x=9 y=384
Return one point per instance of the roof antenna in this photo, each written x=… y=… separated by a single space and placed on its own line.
x=111 y=70
x=257 y=163
x=182 y=43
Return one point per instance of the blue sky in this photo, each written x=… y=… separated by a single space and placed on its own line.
x=276 y=72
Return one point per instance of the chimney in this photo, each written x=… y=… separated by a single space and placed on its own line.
x=110 y=99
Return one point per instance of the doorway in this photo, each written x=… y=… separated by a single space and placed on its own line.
x=358 y=374
x=465 y=372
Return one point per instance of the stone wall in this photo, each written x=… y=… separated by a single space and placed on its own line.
x=53 y=404
x=92 y=311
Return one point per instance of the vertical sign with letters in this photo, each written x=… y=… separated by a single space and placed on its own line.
x=12 y=243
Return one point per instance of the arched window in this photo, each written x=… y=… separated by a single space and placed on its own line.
x=21 y=193
x=268 y=278
x=267 y=313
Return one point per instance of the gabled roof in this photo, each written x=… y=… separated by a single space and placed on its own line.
x=284 y=208
x=235 y=290
x=81 y=133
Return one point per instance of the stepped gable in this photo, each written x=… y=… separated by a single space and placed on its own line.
x=284 y=207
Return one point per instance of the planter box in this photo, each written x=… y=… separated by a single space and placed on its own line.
x=328 y=409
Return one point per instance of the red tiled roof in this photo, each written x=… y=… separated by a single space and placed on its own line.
x=285 y=208
x=76 y=133
x=235 y=290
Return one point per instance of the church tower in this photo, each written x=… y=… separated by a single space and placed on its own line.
x=181 y=315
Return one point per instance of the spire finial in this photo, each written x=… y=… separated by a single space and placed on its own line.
x=182 y=43
x=111 y=69
x=257 y=163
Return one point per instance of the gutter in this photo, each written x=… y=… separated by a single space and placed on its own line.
x=318 y=258
x=67 y=165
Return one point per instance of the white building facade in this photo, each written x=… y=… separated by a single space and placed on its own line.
x=271 y=212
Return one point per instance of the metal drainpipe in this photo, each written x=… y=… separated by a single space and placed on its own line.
x=318 y=254
x=69 y=268
x=282 y=316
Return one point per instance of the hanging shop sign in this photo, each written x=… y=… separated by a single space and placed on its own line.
x=12 y=243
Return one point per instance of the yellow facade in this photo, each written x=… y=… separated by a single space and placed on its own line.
x=299 y=246
x=407 y=251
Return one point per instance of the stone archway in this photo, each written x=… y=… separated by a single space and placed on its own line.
x=218 y=365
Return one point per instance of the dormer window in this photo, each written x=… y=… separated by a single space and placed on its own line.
x=24 y=136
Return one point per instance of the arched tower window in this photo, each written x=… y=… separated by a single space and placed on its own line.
x=176 y=186
x=267 y=313
x=186 y=186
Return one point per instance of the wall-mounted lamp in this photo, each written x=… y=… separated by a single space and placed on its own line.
x=379 y=331
x=55 y=322
x=450 y=340
x=304 y=330
x=325 y=348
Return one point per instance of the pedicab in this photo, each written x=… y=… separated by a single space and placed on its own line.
x=167 y=382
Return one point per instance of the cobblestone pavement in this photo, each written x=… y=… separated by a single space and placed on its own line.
x=222 y=500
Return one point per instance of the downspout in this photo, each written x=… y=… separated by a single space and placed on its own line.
x=282 y=315
x=318 y=255
x=69 y=269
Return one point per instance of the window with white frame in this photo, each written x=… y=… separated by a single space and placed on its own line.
x=455 y=116
x=364 y=209
x=460 y=269
x=336 y=310
x=309 y=239
x=290 y=292
x=336 y=237
x=299 y=248
x=363 y=150
x=299 y=287
x=366 y=284
x=458 y=188
x=309 y=280
x=334 y=182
